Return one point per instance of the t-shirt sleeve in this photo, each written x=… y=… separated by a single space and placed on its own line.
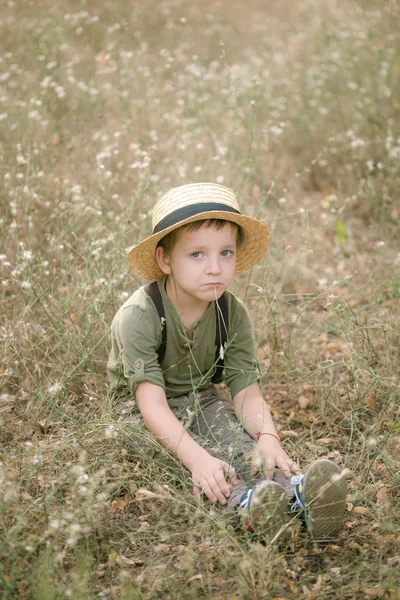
x=241 y=364
x=135 y=336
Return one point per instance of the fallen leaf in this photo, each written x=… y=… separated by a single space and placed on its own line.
x=117 y=506
x=135 y=562
x=128 y=498
x=303 y=402
x=354 y=546
x=377 y=592
x=395 y=560
x=286 y=434
x=198 y=576
x=360 y=510
x=161 y=548
x=144 y=493
x=382 y=496
x=384 y=539
x=322 y=338
x=370 y=400
x=335 y=456
x=334 y=346
x=325 y=441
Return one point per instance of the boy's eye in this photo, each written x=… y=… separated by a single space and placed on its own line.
x=226 y=253
x=196 y=254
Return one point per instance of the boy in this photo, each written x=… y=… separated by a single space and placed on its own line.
x=170 y=342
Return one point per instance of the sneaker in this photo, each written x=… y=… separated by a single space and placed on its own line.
x=266 y=509
x=320 y=497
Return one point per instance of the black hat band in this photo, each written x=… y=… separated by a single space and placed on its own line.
x=190 y=211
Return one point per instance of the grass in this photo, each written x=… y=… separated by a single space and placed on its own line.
x=102 y=108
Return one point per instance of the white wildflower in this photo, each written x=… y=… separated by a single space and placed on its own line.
x=27 y=255
x=53 y=389
x=276 y=130
x=357 y=143
x=110 y=432
x=370 y=165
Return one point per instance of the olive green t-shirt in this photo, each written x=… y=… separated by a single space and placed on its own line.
x=136 y=333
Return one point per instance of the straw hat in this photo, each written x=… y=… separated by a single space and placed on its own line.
x=196 y=202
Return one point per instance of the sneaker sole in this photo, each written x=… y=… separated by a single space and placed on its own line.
x=325 y=490
x=268 y=511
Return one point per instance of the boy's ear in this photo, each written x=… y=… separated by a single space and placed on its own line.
x=163 y=260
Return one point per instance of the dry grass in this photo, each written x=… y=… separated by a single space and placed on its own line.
x=102 y=107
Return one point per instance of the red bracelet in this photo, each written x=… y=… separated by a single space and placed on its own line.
x=260 y=433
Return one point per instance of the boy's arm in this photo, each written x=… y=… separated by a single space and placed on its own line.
x=254 y=414
x=208 y=472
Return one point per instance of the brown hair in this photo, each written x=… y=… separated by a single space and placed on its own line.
x=169 y=241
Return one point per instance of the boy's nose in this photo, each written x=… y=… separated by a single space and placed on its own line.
x=214 y=266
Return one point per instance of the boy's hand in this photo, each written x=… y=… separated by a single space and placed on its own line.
x=209 y=476
x=269 y=455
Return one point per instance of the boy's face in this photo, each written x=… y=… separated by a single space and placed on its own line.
x=202 y=263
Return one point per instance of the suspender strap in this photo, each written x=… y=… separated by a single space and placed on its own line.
x=221 y=335
x=152 y=290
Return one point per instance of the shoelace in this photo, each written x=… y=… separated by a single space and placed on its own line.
x=299 y=502
x=245 y=498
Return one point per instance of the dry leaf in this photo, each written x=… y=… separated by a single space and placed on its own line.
x=384 y=539
x=128 y=498
x=334 y=347
x=335 y=456
x=144 y=493
x=370 y=400
x=118 y=591
x=198 y=576
x=132 y=561
x=360 y=510
x=303 y=402
x=117 y=506
x=382 y=496
x=325 y=441
x=354 y=546
x=377 y=592
x=286 y=434
x=161 y=548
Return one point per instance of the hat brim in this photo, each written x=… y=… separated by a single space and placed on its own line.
x=142 y=259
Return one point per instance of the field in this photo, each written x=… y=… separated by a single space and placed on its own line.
x=103 y=107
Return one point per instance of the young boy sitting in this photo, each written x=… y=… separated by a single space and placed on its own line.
x=172 y=340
